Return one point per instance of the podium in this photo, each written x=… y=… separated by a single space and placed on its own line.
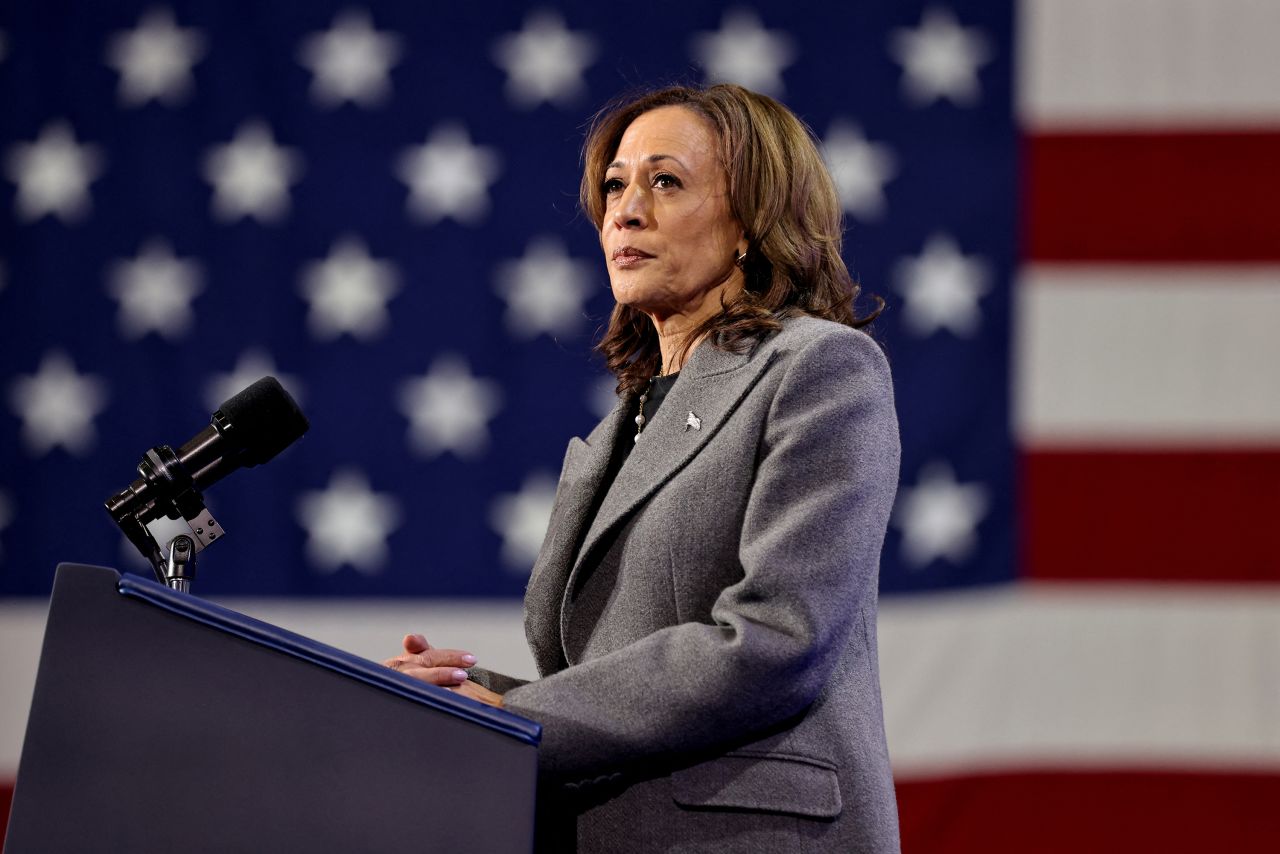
x=161 y=722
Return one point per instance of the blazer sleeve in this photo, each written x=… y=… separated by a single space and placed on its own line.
x=494 y=681
x=809 y=548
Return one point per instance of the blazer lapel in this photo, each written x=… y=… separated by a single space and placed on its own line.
x=586 y=462
x=709 y=389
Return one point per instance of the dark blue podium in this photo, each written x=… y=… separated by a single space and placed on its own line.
x=161 y=722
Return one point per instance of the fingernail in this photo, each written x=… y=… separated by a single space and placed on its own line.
x=468 y=658
x=460 y=676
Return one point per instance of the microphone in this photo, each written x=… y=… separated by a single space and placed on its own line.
x=247 y=430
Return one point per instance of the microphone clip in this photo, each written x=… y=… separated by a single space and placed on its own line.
x=174 y=525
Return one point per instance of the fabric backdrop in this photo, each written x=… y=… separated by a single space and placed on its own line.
x=1068 y=207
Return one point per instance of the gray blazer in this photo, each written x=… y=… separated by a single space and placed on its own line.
x=707 y=640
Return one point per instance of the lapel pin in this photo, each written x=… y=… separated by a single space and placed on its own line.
x=692 y=421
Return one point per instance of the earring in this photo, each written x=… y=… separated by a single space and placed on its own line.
x=740 y=259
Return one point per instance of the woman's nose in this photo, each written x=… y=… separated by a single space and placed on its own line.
x=631 y=211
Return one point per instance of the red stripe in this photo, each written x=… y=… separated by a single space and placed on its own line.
x=6 y=801
x=1152 y=197
x=1194 y=516
x=1101 y=813
x=1069 y=812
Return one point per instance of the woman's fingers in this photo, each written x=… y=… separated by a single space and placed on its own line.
x=446 y=677
x=415 y=643
x=437 y=666
x=479 y=692
x=445 y=667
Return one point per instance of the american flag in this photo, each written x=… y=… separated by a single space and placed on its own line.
x=1068 y=206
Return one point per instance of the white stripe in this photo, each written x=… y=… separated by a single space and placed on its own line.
x=1074 y=675
x=1147 y=356
x=1160 y=63
x=1094 y=675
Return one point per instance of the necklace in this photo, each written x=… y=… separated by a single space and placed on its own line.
x=644 y=397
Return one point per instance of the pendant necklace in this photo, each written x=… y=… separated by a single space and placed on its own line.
x=644 y=397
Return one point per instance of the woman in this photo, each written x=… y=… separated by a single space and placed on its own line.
x=703 y=610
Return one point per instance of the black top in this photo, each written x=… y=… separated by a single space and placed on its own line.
x=658 y=388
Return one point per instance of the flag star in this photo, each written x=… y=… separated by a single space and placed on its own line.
x=544 y=61
x=448 y=176
x=348 y=292
x=940 y=59
x=155 y=59
x=743 y=52
x=939 y=517
x=154 y=291
x=53 y=174
x=57 y=406
x=602 y=395
x=860 y=169
x=350 y=61
x=941 y=288
x=252 y=366
x=251 y=175
x=348 y=523
x=132 y=559
x=545 y=290
x=449 y=409
x=521 y=519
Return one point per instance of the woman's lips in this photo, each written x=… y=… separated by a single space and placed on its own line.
x=629 y=256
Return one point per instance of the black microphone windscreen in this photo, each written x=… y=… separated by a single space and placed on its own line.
x=263 y=420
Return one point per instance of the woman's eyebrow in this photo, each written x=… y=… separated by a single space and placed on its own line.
x=652 y=158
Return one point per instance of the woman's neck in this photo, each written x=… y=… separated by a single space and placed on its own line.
x=674 y=329
x=674 y=352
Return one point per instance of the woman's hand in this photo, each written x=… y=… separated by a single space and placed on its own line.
x=477 y=691
x=442 y=667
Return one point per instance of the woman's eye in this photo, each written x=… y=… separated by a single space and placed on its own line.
x=612 y=185
x=666 y=181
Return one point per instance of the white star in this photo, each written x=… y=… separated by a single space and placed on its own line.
x=521 y=520
x=940 y=59
x=155 y=59
x=251 y=175
x=53 y=174
x=939 y=517
x=252 y=366
x=449 y=409
x=448 y=176
x=544 y=61
x=132 y=559
x=743 y=52
x=57 y=406
x=350 y=61
x=860 y=169
x=348 y=523
x=602 y=395
x=348 y=291
x=6 y=515
x=544 y=290
x=941 y=288
x=154 y=291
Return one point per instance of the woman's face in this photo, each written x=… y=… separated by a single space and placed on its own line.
x=669 y=239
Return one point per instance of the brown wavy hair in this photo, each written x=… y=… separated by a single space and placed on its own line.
x=779 y=190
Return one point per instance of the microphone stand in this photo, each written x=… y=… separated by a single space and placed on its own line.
x=174 y=525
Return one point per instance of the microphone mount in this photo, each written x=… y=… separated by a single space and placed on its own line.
x=173 y=525
x=163 y=512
